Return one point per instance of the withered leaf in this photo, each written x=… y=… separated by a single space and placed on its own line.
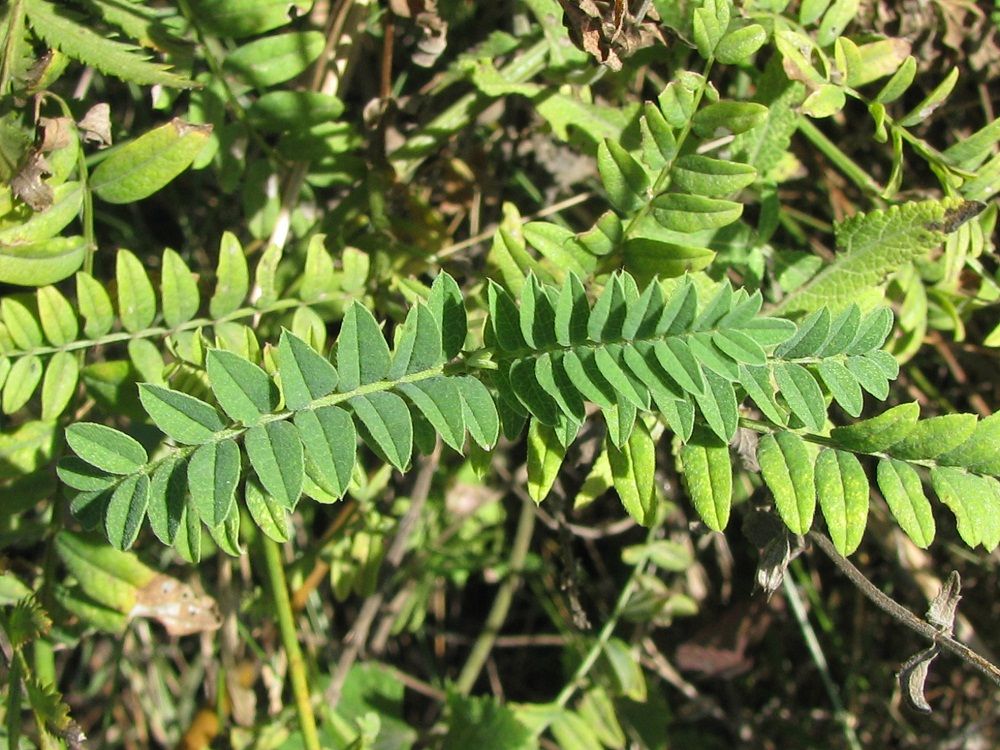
x=96 y=125
x=55 y=133
x=609 y=31
x=176 y=606
x=912 y=677
x=27 y=184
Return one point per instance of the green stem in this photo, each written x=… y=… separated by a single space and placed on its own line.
x=501 y=604
x=286 y=624
x=842 y=161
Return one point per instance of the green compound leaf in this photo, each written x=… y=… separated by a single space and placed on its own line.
x=624 y=179
x=479 y=412
x=843 y=386
x=980 y=452
x=933 y=437
x=418 y=346
x=681 y=212
x=145 y=165
x=545 y=457
x=22 y=381
x=244 y=391
x=232 y=278
x=306 y=375
x=330 y=445
x=136 y=300
x=167 y=499
x=125 y=511
x=707 y=470
x=788 y=470
x=448 y=308
x=719 y=407
x=874 y=245
x=20 y=323
x=95 y=306
x=904 y=494
x=713 y=178
x=387 y=421
x=968 y=496
x=632 y=469
x=722 y=118
x=709 y=23
x=802 y=394
x=878 y=433
x=213 y=473
x=106 y=448
x=59 y=384
x=439 y=401
x=843 y=497
x=275 y=452
x=362 y=353
x=74 y=472
x=44 y=262
x=56 y=316
x=275 y=59
x=184 y=418
x=178 y=290
x=269 y=515
x=738 y=45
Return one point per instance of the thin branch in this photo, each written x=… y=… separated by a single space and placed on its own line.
x=903 y=615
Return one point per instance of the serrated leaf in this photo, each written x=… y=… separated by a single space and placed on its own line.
x=904 y=494
x=178 y=290
x=707 y=470
x=59 y=384
x=362 y=352
x=126 y=510
x=624 y=179
x=632 y=470
x=106 y=448
x=63 y=30
x=244 y=390
x=275 y=452
x=167 y=499
x=685 y=213
x=933 y=437
x=213 y=474
x=802 y=394
x=269 y=515
x=874 y=245
x=94 y=304
x=980 y=452
x=842 y=487
x=387 y=421
x=306 y=375
x=545 y=457
x=184 y=418
x=788 y=471
x=232 y=278
x=878 y=433
x=146 y=164
x=56 y=315
x=330 y=443
x=479 y=411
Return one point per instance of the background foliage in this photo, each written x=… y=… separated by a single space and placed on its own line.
x=429 y=374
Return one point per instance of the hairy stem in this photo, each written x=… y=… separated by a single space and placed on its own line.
x=286 y=624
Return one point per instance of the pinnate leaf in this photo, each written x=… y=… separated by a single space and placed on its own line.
x=788 y=470
x=904 y=494
x=843 y=497
x=275 y=452
x=106 y=448
x=213 y=473
x=184 y=418
x=244 y=391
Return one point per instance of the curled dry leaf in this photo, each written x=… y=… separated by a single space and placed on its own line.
x=27 y=183
x=424 y=13
x=56 y=132
x=96 y=125
x=176 y=606
x=940 y=614
x=609 y=30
